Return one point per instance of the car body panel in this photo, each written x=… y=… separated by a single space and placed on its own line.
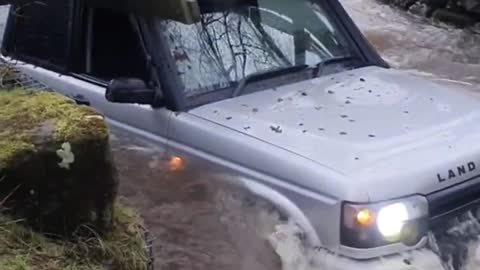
x=380 y=129
x=142 y=118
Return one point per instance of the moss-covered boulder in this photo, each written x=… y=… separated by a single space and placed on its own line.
x=56 y=170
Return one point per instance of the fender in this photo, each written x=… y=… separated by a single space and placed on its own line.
x=286 y=206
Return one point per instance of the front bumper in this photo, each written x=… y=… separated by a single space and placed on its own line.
x=412 y=260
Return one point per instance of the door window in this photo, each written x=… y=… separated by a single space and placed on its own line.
x=40 y=32
x=113 y=47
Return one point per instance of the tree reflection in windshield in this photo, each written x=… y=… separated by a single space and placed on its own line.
x=225 y=46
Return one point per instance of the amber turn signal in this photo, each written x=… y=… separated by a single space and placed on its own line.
x=365 y=217
x=176 y=164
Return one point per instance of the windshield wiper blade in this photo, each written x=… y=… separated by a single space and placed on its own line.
x=318 y=71
x=263 y=75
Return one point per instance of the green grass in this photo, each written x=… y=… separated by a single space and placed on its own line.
x=122 y=249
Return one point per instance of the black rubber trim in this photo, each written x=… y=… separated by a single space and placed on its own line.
x=453 y=199
x=365 y=48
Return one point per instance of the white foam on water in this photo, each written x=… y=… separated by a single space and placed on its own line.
x=287 y=242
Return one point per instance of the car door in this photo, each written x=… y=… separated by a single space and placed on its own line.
x=77 y=51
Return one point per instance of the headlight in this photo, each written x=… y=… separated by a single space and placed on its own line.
x=380 y=224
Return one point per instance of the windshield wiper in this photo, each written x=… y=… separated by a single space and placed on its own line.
x=263 y=75
x=320 y=67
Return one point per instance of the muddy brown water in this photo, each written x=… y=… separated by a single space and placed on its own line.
x=197 y=220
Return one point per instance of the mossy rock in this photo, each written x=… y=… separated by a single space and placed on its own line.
x=56 y=169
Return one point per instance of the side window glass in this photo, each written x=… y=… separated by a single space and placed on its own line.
x=113 y=47
x=41 y=32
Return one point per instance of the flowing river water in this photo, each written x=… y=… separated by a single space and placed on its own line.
x=200 y=223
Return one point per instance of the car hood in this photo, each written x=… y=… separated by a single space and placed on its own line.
x=371 y=125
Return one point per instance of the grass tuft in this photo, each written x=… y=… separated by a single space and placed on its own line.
x=122 y=249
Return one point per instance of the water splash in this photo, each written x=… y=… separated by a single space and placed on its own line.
x=457 y=248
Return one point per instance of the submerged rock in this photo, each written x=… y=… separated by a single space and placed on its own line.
x=456 y=18
x=461 y=13
x=56 y=169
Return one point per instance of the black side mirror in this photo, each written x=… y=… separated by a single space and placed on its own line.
x=130 y=90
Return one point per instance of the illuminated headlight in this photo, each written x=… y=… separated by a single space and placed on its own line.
x=380 y=224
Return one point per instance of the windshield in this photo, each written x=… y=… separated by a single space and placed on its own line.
x=231 y=40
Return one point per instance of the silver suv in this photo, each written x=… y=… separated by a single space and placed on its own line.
x=286 y=95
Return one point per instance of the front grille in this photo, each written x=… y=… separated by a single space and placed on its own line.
x=454 y=201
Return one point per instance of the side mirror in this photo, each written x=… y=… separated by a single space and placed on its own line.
x=130 y=90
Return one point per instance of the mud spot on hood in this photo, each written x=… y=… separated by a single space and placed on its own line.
x=276 y=129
